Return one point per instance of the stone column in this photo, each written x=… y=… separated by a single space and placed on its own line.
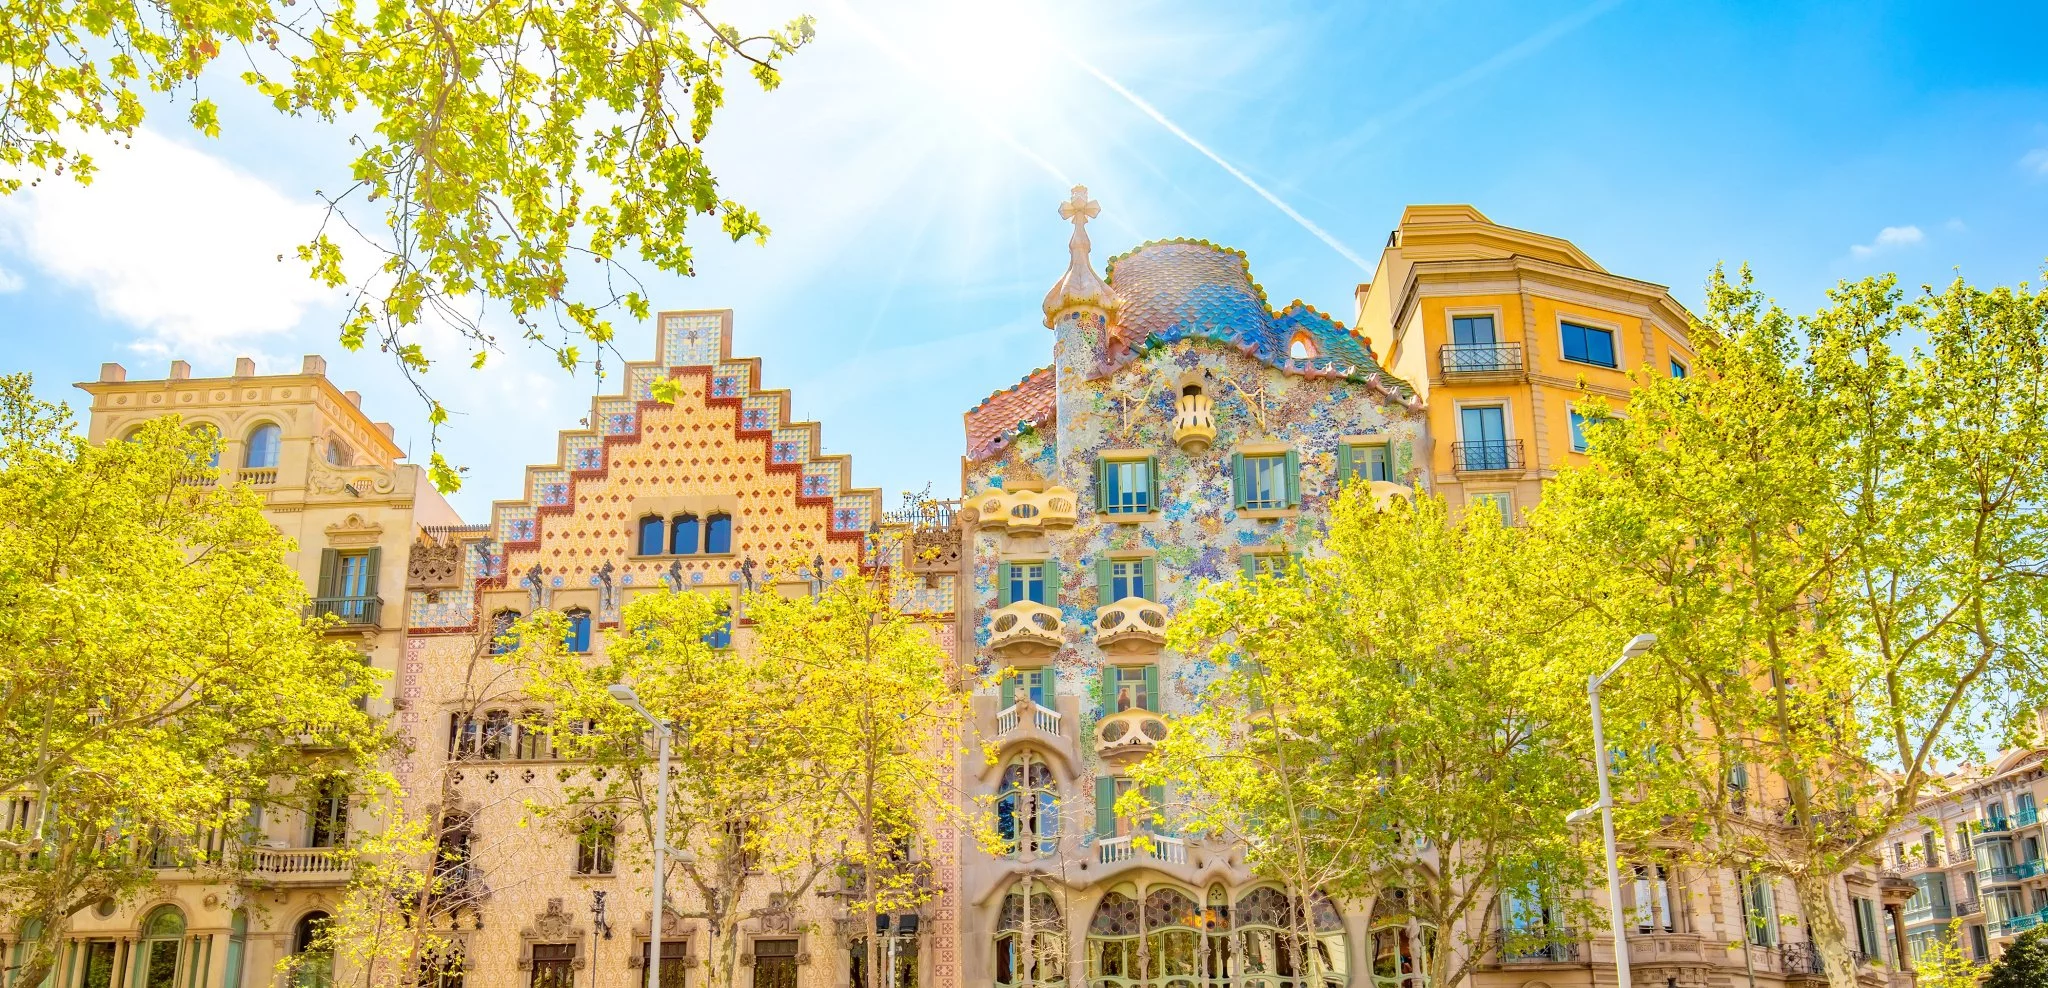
x=217 y=961
x=1897 y=911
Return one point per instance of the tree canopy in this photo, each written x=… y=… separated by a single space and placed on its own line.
x=2024 y=963
x=509 y=157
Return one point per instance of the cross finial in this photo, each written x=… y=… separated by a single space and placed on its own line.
x=1079 y=209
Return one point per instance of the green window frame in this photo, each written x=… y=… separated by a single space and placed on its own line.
x=1035 y=581
x=1107 y=789
x=1367 y=461
x=1278 y=565
x=1266 y=481
x=1130 y=688
x=1127 y=485
x=1036 y=683
x=1116 y=579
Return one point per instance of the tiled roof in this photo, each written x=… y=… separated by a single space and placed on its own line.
x=1001 y=416
x=1180 y=289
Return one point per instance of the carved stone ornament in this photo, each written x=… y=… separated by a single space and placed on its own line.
x=552 y=925
x=356 y=481
x=354 y=531
x=434 y=565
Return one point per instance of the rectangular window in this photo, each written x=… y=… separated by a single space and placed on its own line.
x=1653 y=898
x=1136 y=687
x=1501 y=503
x=1278 y=565
x=1866 y=927
x=1266 y=481
x=675 y=959
x=1374 y=461
x=327 y=824
x=1980 y=948
x=1483 y=439
x=1025 y=581
x=347 y=585
x=1760 y=910
x=1927 y=848
x=1125 y=487
x=1578 y=432
x=1034 y=683
x=775 y=964
x=1473 y=331
x=1127 y=579
x=1588 y=345
x=1677 y=369
x=595 y=845
x=554 y=966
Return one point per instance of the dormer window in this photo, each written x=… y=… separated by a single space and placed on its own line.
x=1301 y=347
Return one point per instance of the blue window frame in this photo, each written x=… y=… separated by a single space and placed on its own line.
x=718 y=534
x=682 y=538
x=1127 y=579
x=721 y=636
x=1578 y=432
x=1473 y=331
x=652 y=528
x=1588 y=345
x=578 y=639
x=1677 y=369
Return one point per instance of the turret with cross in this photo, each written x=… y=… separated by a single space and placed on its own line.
x=1079 y=286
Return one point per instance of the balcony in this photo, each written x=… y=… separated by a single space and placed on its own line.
x=2007 y=874
x=2026 y=818
x=1194 y=423
x=1969 y=907
x=1800 y=960
x=1025 y=512
x=1960 y=855
x=1471 y=360
x=1995 y=825
x=1554 y=946
x=1132 y=624
x=352 y=612
x=1128 y=735
x=1025 y=714
x=1155 y=847
x=1493 y=456
x=299 y=865
x=2019 y=924
x=1927 y=912
x=1024 y=629
x=258 y=476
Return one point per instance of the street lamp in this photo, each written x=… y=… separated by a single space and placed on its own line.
x=1605 y=807
x=624 y=694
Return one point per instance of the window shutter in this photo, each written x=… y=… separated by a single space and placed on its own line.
x=1103 y=581
x=372 y=565
x=1152 y=498
x=1248 y=565
x=1108 y=690
x=1009 y=689
x=330 y=570
x=1003 y=584
x=1105 y=806
x=1041 y=687
x=1152 y=688
x=1237 y=481
x=1052 y=583
x=1156 y=795
x=1293 y=476
x=1101 y=484
x=1150 y=571
x=1345 y=466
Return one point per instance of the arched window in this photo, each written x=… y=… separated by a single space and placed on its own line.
x=313 y=955
x=1301 y=347
x=1172 y=938
x=1113 y=941
x=682 y=535
x=163 y=932
x=650 y=535
x=718 y=534
x=1269 y=953
x=260 y=453
x=503 y=641
x=1398 y=960
x=338 y=452
x=578 y=639
x=1028 y=807
x=1031 y=940
x=442 y=968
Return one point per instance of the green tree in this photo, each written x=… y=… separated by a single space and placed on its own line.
x=755 y=819
x=2023 y=965
x=1841 y=548
x=882 y=710
x=1944 y=963
x=497 y=145
x=161 y=679
x=1394 y=717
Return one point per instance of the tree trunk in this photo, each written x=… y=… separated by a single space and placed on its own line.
x=1824 y=930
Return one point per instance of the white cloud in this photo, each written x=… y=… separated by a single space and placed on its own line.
x=1889 y=238
x=2036 y=161
x=179 y=243
x=9 y=282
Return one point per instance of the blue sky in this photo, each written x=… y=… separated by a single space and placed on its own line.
x=912 y=162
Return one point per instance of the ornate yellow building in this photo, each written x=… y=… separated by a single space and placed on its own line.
x=335 y=482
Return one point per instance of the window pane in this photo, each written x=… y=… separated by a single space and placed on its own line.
x=1677 y=369
x=1472 y=330
x=1378 y=463
x=1578 y=432
x=1130 y=487
x=1266 y=482
x=1588 y=345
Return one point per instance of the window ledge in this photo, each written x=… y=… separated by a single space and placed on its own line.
x=683 y=556
x=593 y=877
x=1268 y=514
x=1588 y=363
x=1130 y=517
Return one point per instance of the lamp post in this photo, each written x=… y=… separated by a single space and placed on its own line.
x=624 y=694
x=1636 y=647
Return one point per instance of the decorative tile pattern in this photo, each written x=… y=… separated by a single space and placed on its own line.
x=692 y=340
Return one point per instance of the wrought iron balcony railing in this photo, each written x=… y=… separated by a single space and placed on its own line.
x=1485 y=455
x=1556 y=945
x=1457 y=359
x=353 y=611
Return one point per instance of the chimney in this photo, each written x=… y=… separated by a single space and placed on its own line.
x=388 y=431
x=354 y=398
x=113 y=373
x=315 y=364
x=245 y=367
x=180 y=370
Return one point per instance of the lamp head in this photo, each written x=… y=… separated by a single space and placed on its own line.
x=624 y=694
x=1638 y=645
x=1579 y=816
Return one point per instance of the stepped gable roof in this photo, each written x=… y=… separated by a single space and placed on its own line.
x=1187 y=289
x=1000 y=417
